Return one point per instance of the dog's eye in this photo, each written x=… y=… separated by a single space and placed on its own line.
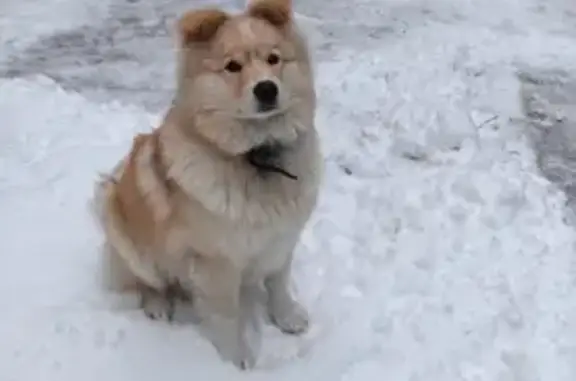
x=273 y=59
x=233 y=67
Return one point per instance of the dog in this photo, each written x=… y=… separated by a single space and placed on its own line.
x=212 y=203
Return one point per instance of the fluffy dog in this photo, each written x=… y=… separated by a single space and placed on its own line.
x=212 y=202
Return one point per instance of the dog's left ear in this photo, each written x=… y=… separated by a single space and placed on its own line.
x=200 y=26
x=276 y=12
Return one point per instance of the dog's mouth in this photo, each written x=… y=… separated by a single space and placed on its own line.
x=267 y=107
x=267 y=158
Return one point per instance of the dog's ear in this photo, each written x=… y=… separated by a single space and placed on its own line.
x=200 y=25
x=276 y=12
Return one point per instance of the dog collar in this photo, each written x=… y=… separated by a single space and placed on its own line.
x=266 y=158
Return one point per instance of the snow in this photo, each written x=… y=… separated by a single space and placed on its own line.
x=438 y=251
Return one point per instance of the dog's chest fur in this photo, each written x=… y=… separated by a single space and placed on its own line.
x=236 y=211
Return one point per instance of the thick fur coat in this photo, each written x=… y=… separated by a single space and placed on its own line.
x=196 y=208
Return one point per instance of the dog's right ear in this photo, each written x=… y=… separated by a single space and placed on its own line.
x=276 y=12
x=200 y=25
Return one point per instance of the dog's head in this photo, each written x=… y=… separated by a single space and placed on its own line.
x=241 y=75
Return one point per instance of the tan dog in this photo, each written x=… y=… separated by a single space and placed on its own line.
x=214 y=200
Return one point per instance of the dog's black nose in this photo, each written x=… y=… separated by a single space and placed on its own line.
x=266 y=92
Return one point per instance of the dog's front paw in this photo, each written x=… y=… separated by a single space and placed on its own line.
x=157 y=306
x=241 y=355
x=231 y=345
x=291 y=319
x=245 y=361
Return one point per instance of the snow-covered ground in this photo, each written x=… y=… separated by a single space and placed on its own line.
x=440 y=250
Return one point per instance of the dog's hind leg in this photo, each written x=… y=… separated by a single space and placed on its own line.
x=161 y=304
x=123 y=261
x=129 y=273
x=156 y=299
x=157 y=304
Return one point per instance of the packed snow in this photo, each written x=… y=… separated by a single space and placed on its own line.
x=438 y=252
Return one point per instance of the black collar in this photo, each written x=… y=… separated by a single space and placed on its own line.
x=267 y=158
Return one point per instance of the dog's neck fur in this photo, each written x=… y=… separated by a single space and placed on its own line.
x=232 y=186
